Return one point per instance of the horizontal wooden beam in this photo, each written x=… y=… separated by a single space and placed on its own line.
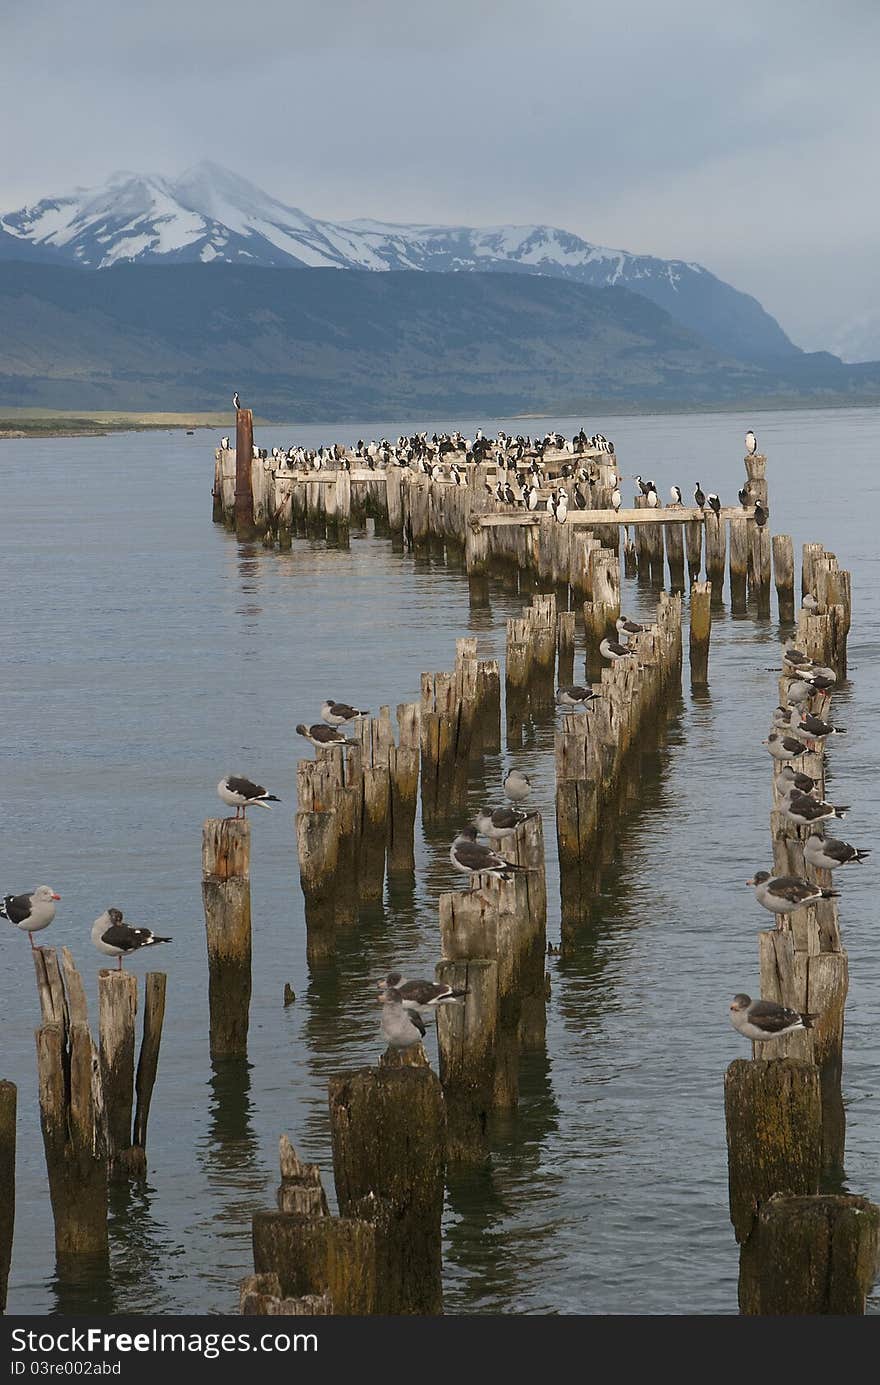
x=588 y=517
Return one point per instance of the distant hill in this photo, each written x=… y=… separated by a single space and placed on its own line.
x=317 y=344
x=211 y=216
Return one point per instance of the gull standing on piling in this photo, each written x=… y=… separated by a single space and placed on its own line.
x=675 y=494
x=625 y=626
x=321 y=735
x=575 y=696
x=337 y=713
x=422 y=997
x=236 y=402
x=30 y=913
x=517 y=786
x=803 y=809
x=612 y=649
x=402 y=1027
x=117 y=939
x=699 y=497
x=242 y=794
x=762 y=1020
x=468 y=855
x=782 y=894
x=784 y=747
x=751 y=443
x=827 y=853
x=500 y=822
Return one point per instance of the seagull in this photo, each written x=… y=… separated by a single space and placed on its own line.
x=242 y=794
x=116 y=939
x=799 y=690
x=421 y=997
x=761 y=514
x=761 y=1020
x=782 y=894
x=810 y=604
x=575 y=696
x=625 y=626
x=675 y=493
x=796 y=658
x=699 y=497
x=805 y=811
x=790 y=776
x=517 y=786
x=336 y=713
x=827 y=853
x=500 y=822
x=321 y=735
x=784 y=747
x=468 y=855
x=236 y=402
x=30 y=912
x=401 y=1027
x=611 y=649
x=751 y=443
x=814 y=727
x=714 y=502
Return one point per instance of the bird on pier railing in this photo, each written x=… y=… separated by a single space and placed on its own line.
x=224 y=443
x=337 y=713
x=782 y=894
x=761 y=514
x=653 y=498
x=675 y=495
x=751 y=443
x=117 y=939
x=517 y=786
x=714 y=502
x=644 y=486
x=236 y=402
x=560 y=510
x=401 y=1027
x=616 y=500
x=574 y=696
x=469 y=856
x=699 y=497
x=241 y=794
x=421 y=997
x=320 y=735
x=827 y=853
x=762 y=1020
x=30 y=913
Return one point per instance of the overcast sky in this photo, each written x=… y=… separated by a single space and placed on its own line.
x=741 y=135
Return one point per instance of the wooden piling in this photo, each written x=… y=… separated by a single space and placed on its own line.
x=760 y=567
x=739 y=563
x=700 y=631
x=693 y=542
x=71 y=1111
x=466 y=1043
x=816 y=1255
x=403 y=766
x=8 y=1103
x=117 y=1007
x=388 y=1131
x=756 y=471
x=329 y=1258
x=226 y=896
x=565 y=647
x=244 y=495
x=783 y=572
x=716 y=552
x=675 y=556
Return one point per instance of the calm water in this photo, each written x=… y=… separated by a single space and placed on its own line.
x=146 y=652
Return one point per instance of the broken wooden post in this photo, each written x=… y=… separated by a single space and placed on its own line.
x=71 y=1110
x=403 y=767
x=226 y=895
x=148 y=1063
x=739 y=563
x=675 y=556
x=701 y=629
x=466 y=1041
x=388 y=1130
x=693 y=542
x=117 y=1007
x=783 y=572
x=716 y=553
x=817 y=1255
x=565 y=647
x=8 y=1102
x=244 y=495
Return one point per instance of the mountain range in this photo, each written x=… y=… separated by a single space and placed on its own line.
x=210 y=215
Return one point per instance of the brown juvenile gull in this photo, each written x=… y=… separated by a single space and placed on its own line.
x=761 y=1020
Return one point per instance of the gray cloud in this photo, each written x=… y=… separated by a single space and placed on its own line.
x=744 y=140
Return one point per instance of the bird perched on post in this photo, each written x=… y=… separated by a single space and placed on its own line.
x=761 y=514
x=699 y=497
x=575 y=696
x=675 y=493
x=751 y=443
x=469 y=856
x=236 y=402
x=117 y=939
x=517 y=786
x=402 y=1028
x=612 y=649
x=30 y=913
x=337 y=713
x=827 y=853
x=242 y=794
x=616 y=500
x=714 y=503
x=782 y=894
x=625 y=626
x=422 y=997
x=500 y=822
x=744 y=496
x=762 y=1020
x=321 y=735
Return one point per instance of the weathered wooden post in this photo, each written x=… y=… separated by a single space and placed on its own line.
x=816 y=1255
x=701 y=629
x=565 y=647
x=716 y=553
x=739 y=563
x=71 y=1110
x=117 y=1006
x=403 y=766
x=675 y=556
x=693 y=542
x=148 y=1063
x=388 y=1130
x=760 y=567
x=244 y=495
x=8 y=1102
x=226 y=895
x=774 y=1136
x=783 y=571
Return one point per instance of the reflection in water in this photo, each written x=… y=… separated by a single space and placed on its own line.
x=82 y=1284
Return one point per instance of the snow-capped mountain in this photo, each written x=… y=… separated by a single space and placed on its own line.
x=210 y=214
